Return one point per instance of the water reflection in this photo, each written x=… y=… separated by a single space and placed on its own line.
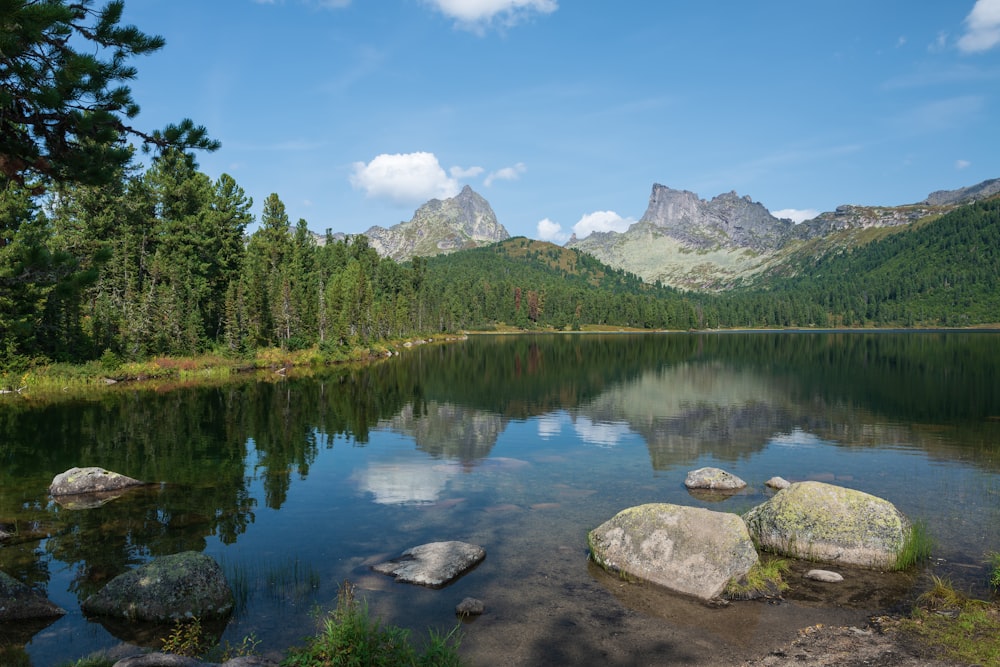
x=456 y=431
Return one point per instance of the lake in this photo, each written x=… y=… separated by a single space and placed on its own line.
x=521 y=444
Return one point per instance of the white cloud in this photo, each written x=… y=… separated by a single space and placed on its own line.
x=982 y=27
x=962 y=164
x=463 y=172
x=505 y=174
x=796 y=215
x=602 y=434
x=601 y=221
x=551 y=231
x=404 y=179
x=474 y=15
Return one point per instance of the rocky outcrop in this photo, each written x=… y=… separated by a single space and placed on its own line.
x=713 y=479
x=727 y=220
x=18 y=602
x=435 y=565
x=440 y=226
x=166 y=589
x=823 y=522
x=983 y=190
x=77 y=481
x=685 y=549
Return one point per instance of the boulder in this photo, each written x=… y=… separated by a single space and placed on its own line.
x=89 y=480
x=436 y=564
x=166 y=589
x=690 y=550
x=19 y=602
x=826 y=576
x=778 y=483
x=823 y=522
x=713 y=479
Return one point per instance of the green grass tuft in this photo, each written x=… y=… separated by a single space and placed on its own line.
x=916 y=548
x=351 y=636
x=962 y=629
x=765 y=579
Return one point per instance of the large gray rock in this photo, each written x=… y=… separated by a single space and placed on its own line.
x=91 y=480
x=713 y=479
x=823 y=522
x=686 y=549
x=436 y=564
x=166 y=589
x=18 y=602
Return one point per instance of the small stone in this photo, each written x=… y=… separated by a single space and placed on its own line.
x=825 y=576
x=470 y=607
x=778 y=483
x=715 y=479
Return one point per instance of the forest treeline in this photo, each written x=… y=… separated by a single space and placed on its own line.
x=159 y=262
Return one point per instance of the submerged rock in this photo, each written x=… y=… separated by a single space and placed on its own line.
x=166 y=589
x=826 y=576
x=778 y=483
x=436 y=564
x=690 y=550
x=91 y=480
x=823 y=522
x=714 y=479
x=19 y=602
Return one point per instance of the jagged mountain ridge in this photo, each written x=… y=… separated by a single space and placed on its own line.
x=440 y=226
x=691 y=243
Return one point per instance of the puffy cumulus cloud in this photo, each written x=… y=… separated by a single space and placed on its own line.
x=962 y=164
x=982 y=27
x=465 y=172
x=476 y=14
x=404 y=178
x=796 y=215
x=551 y=231
x=505 y=174
x=601 y=221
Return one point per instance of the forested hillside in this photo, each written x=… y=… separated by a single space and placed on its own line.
x=159 y=263
x=941 y=273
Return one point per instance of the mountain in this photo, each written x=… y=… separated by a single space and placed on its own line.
x=687 y=242
x=440 y=226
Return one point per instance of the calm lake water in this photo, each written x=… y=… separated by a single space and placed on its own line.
x=518 y=443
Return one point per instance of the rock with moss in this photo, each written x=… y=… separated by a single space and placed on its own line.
x=690 y=550
x=18 y=602
x=828 y=523
x=90 y=480
x=184 y=585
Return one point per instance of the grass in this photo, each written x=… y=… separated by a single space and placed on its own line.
x=962 y=629
x=993 y=560
x=351 y=636
x=916 y=548
x=283 y=581
x=765 y=579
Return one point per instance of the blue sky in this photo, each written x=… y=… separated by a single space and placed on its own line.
x=564 y=113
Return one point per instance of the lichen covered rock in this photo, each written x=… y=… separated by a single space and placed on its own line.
x=435 y=564
x=18 y=602
x=166 y=589
x=89 y=480
x=690 y=550
x=828 y=523
x=713 y=479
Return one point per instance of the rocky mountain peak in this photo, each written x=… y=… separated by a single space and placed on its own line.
x=727 y=221
x=440 y=226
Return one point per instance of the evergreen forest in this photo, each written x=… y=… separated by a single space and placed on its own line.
x=104 y=256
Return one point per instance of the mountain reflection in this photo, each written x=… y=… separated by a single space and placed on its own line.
x=218 y=456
